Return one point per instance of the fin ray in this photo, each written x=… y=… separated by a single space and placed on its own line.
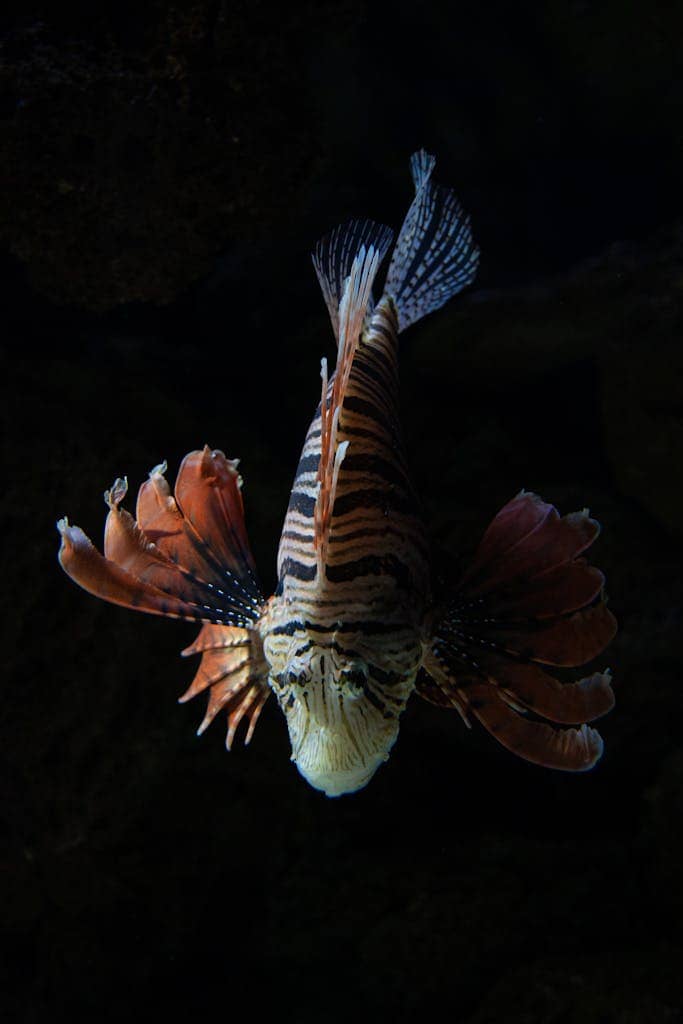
x=352 y=312
x=526 y=540
x=334 y=256
x=101 y=577
x=234 y=671
x=435 y=256
x=573 y=750
x=527 y=601
x=184 y=567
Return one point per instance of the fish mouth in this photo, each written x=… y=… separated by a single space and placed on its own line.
x=338 y=744
x=339 y=781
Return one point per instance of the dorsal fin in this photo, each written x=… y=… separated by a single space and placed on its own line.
x=334 y=256
x=350 y=316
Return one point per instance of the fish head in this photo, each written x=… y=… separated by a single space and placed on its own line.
x=342 y=709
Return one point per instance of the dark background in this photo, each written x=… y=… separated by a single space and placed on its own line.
x=165 y=170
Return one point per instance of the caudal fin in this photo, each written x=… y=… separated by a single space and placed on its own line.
x=435 y=256
x=527 y=601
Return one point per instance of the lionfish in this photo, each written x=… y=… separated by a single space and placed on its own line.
x=353 y=628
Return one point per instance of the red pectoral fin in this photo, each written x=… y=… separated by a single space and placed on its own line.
x=232 y=667
x=527 y=539
x=234 y=672
x=208 y=491
x=574 y=750
x=565 y=642
x=186 y=556
x=527 y=600
x=515 y=521
x=103 y=578
x=559 y=591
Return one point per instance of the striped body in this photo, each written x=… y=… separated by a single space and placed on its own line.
x=378 y=553
x=347 y=634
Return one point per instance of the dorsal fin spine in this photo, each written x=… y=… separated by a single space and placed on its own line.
x=353 y=306
x=335 y=254
x=421 y=166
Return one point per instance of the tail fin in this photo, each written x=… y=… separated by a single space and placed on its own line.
x=527 y=601
x=435 y=256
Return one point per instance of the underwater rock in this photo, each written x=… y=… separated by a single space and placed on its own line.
x=631 y=988
x=132 y=149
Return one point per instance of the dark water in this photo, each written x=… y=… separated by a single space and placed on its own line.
x=166 y=171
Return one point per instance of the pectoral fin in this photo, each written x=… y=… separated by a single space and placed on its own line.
x=525 y=601
x=186 y=556
x=234 y=671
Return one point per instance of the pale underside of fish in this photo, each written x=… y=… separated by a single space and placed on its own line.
x=353 y=629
